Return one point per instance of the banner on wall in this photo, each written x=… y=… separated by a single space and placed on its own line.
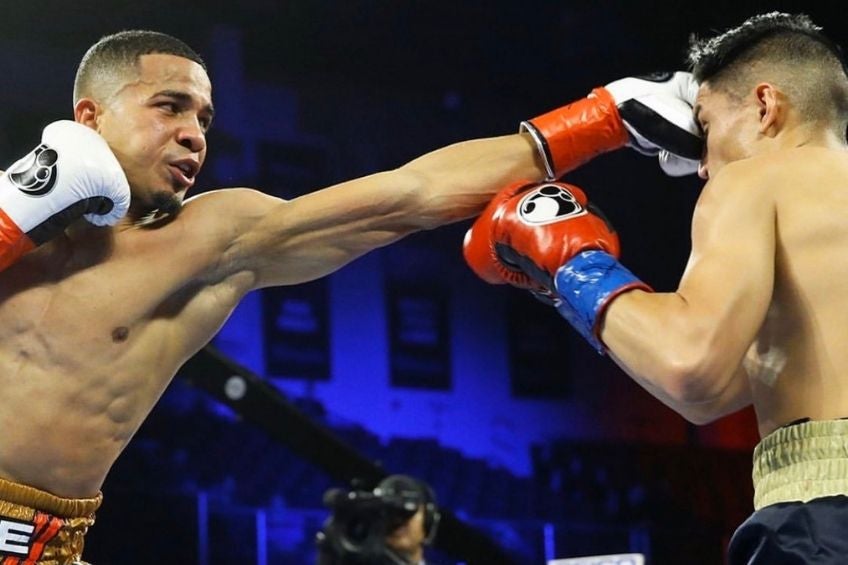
x=297 y=333
x=419 y=341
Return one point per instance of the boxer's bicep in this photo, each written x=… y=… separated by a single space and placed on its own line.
x=689 y=343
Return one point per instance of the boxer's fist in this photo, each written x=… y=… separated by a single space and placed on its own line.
x=657 y=111
x=549 y=239
x=652 y=114
x=479 y=246
x=71 y=174
x=530 y=230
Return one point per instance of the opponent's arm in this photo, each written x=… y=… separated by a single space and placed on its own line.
x=732 y=398
x=684 y=347
x=288 y=242
x=687 y=346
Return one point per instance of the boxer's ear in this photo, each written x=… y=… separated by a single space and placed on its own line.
x=771 y=103
x=87 y=112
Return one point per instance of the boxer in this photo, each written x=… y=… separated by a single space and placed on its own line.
x=96 y=320
x=760 y=313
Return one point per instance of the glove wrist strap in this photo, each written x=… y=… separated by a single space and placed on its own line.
x=571 y=135
x=586 y=285
x=13 y=242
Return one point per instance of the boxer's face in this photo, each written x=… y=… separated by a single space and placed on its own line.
x=156 y=125
x=729 y=125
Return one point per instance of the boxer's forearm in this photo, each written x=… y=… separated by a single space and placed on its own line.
x=315 y=234
x=678 y=353
x=457 y=181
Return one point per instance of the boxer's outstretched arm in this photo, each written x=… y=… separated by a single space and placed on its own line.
x=288 y=242
x=686 y=347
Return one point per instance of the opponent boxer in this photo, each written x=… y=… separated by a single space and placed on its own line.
x=760 y=313
x=96 y=321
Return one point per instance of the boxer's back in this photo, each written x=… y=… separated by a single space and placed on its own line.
x=798 y=367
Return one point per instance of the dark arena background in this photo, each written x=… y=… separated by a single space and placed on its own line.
x=404 y=362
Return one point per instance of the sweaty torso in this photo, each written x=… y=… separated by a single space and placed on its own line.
x=798 y=366
x=93 y=326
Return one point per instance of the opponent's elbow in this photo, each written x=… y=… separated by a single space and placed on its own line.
x=693 y=377
x=688 y=392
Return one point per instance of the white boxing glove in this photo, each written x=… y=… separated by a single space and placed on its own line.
x=675 y=166
x=71 y=174
x=657 y=111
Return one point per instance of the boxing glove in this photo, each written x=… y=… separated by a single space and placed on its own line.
x=548 y=238
x=652 y=114
x=71 y=174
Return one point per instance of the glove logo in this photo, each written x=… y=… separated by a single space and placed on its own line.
x=548 y=204
x=35 y=174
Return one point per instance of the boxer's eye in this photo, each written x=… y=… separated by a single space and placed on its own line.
x=170 y=107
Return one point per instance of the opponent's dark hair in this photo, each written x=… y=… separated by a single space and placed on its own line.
x=120 y=52
x=788 y=49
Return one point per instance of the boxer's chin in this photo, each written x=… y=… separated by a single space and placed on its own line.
x=163 y=206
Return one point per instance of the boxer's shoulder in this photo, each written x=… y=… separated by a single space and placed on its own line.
x=791 y=160
x=220 y=214
x=772 y=169
x=228 y=205
x=792 y=170
x=745 y=177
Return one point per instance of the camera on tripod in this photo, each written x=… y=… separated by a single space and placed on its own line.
x=361 y=522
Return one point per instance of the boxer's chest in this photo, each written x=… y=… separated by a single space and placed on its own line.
x=69 y=302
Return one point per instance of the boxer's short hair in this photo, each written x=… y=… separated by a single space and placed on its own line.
x=787 y=49
x=119 y=53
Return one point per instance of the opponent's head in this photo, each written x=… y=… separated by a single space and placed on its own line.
x=148 y=94
x=773 y=73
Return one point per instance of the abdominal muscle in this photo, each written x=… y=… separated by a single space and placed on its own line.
x=64 y=428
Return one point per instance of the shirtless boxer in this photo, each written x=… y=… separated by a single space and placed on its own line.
x=761 y=313
x=97 y=320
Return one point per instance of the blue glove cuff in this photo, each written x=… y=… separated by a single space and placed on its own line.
x=585 y=284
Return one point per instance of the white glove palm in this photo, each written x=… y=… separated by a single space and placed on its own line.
x=658 y=113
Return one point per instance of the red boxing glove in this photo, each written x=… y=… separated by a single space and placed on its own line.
x=530 y=230
x=571 y=135
x=547 y=238
x=479 y=248
x=651 y=114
